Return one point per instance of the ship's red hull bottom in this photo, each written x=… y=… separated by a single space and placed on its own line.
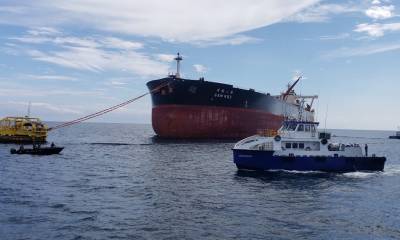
x=207 y=122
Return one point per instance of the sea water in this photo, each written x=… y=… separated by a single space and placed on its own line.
x=116 y=181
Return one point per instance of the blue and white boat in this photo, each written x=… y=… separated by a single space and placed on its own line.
x=299 y=146
x=397 y=135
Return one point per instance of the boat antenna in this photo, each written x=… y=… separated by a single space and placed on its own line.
x=29 y=110
x=178 y=60
x=326 y=115
x=317 y=113
x=301 y=110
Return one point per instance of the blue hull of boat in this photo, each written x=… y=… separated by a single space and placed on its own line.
x=265 y=160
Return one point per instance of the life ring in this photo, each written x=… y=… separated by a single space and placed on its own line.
x=324 y=141
x=277 y=138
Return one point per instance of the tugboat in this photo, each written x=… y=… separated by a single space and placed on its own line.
x=22 y=130
x=397 y=136
x=298 y=146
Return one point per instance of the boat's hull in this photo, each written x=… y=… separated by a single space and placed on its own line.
x=22 y=139
x=394 y=137
x=38 y=151
x=195 y=122
x=266 y=160
x=196 y=109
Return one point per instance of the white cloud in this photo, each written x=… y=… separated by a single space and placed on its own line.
x=75 y=41
x=26 y=91
x=89 y=53
x=12 y=9
x=377 y=29
x=380 y=12
x=200 y=68
x=43 y=31
x=230 y=40
x=97 y=60
x=322 y=12
x=44 y=105
x=39 y=38
x=376 y=2
x=362 y=51
x=176 y=20
x=117 y=43
x=165 y=57
x=55 y=108
x=51 y=35
x=50 y=77
x=117 y=83
x=335 y=37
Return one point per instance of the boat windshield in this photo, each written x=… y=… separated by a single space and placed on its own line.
x=289 y=126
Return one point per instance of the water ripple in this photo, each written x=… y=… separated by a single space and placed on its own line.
x=116 y=181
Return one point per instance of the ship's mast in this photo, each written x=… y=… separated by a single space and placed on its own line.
x=308 y=108
x=29 y=110
x=178 y=60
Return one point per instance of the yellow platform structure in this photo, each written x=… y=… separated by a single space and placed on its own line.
x=22 y=130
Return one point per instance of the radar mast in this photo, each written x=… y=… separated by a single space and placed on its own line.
x=178 y=60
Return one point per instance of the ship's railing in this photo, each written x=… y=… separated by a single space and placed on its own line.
x=266 y=146
x=247 y=140
x=267 y=132
x=11 y=131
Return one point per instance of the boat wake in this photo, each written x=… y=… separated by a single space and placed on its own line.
x=361 y=174
x=392 y=170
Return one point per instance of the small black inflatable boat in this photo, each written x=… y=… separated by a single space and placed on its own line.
x=37 y=150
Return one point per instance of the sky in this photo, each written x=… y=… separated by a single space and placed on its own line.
x=70 y=58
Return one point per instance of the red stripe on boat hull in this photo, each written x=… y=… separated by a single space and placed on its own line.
x=195 y=122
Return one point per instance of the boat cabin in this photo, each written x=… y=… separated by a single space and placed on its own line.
x=298 y=129
x=22 y=129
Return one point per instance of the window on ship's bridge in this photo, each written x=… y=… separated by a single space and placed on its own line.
x=300 y=128
x=307 y=128
x=313 y=128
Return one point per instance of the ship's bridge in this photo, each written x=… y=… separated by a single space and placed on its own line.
x=298 y=129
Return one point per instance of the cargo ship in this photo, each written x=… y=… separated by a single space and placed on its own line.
x=199 y=109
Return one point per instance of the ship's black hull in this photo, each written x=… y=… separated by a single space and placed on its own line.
x=185 y=108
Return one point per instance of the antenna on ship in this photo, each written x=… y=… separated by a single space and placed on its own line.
x=178 y=60
x=29 y=110
x=326 y=115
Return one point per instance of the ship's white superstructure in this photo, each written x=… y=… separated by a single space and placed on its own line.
x=296 y=138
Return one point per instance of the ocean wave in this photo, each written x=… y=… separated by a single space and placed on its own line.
x=392 y=170
x=361 y=174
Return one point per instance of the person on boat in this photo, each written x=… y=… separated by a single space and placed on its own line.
x=21 y=148
x=52 y=145
x=366 y=150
